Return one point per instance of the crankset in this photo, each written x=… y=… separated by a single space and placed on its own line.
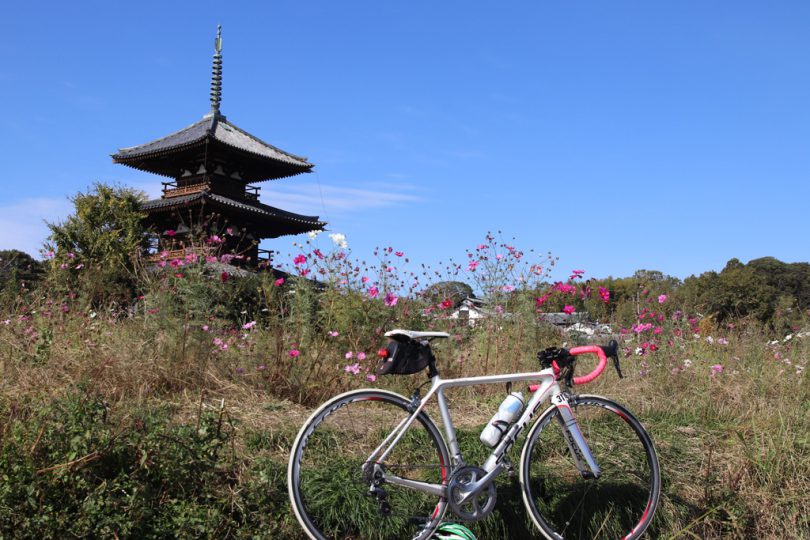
x=465 y=504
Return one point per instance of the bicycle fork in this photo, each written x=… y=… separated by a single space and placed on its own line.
x=583 y=458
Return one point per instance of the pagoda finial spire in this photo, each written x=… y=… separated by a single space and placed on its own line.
x=216 y=75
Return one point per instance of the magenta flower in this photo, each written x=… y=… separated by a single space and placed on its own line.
x=279 y=282
x=604 y=294
x=354 y=369
x=364 y=279
x=300 y=259
x=373 y=292
x=390 y=300
x=248 y=325
x=170 y=232
x=541 y=300
x=472 y=266
x=294 y=353
x=399 y=253
x=569 y=310
x=662 y=298
x=716 y=369
x=371 y=377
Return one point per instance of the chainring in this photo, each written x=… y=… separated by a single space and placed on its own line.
x=474 y=508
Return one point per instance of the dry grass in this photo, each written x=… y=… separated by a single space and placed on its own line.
x=734 y=447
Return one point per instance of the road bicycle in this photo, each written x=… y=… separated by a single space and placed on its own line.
x=372 y=464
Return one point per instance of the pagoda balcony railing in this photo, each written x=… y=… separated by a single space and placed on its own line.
x=171 y=190
x=169 y=255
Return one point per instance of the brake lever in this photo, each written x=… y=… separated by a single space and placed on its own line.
x=615 y=358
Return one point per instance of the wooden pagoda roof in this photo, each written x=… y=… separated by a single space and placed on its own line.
x=268 y=221
x=257 y=160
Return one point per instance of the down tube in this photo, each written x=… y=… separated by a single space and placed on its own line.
x=547 y=387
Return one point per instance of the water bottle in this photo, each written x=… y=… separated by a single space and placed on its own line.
x=508 y=412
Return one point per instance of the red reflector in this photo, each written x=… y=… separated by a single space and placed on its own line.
x=382 y=353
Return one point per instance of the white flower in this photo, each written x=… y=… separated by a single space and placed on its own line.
x=313 y=234
x=709 y=340
x=339 y=240
x=687 y=363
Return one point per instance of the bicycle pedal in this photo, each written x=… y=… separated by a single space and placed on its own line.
x=385 y=509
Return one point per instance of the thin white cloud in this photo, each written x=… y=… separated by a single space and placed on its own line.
x=329 y=199
x=22 y=223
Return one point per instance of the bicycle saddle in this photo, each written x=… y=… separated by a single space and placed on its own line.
x=412 y=334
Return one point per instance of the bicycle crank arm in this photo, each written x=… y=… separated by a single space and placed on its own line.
x=438 y=490
x=480 y=485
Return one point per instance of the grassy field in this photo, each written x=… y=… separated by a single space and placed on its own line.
x=130 y=427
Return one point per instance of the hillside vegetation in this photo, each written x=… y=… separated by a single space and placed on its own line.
x=159 y=399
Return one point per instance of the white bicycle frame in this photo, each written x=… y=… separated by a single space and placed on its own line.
x=494 y=465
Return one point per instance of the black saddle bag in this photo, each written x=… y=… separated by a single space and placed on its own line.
x=405 y=358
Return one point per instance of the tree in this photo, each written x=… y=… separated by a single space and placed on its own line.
x=96 y=248
x=455 y=291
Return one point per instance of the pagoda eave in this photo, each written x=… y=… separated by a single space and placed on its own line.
x=266 y=221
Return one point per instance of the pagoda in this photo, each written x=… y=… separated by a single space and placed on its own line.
x=214 y=166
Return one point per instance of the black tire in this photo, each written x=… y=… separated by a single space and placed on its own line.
x=562 y=504
x=328 y=491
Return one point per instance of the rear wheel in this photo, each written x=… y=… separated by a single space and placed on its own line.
x=563 y=504
x=330 y=487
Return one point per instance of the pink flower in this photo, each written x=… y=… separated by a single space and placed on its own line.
x=354 y=369
x=508 y=288
x=361 y=356
x=214 y=240
x=349 y=355
x=334 y=333
x=399 y=253
x=541 y=300
x=170 y=232
x=390 y=299
x=248 y=325
x=604 y=294
x=210 y=259
x=473 y=265
x=658 y=330
x=300 y=259
x=364 y=279
x=662 y=298
x=482 y=246
x=371 y=377
x=279 y=282
x=229 y=231
x=373 y=292
x=223 y=277
x=716 y=369
x=79 y=266
x=569 y=310
x=576 y=274
x=294 y=353
x=446 y=304
x=205 y=328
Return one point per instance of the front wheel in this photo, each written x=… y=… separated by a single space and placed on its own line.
x=563 y=504
x=330 y=483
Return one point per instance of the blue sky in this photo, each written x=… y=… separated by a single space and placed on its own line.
x=617 y=135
